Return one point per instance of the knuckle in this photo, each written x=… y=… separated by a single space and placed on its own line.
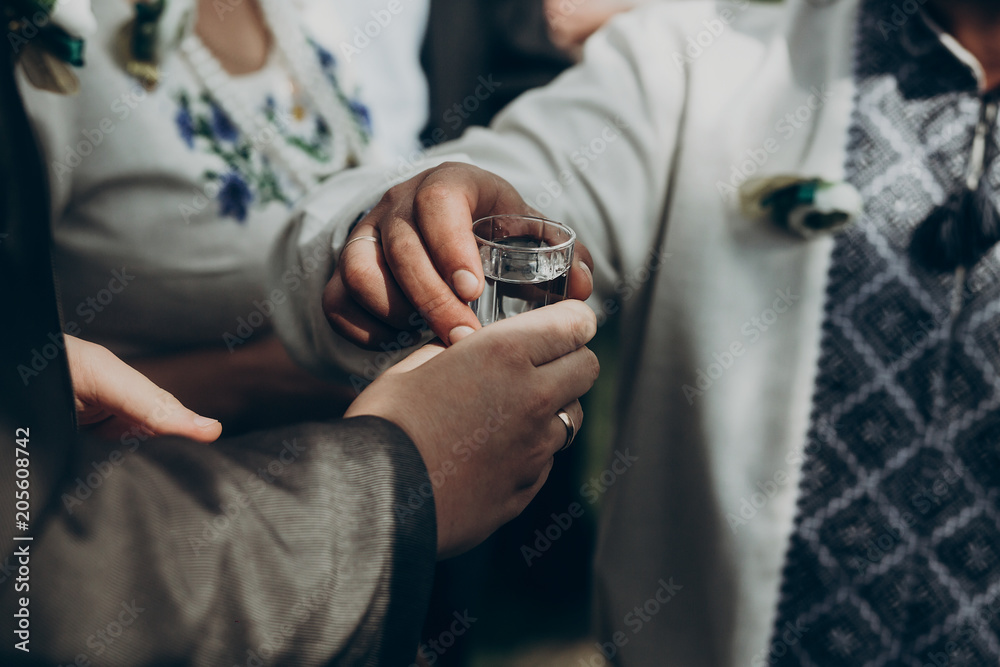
x=434 y=306
x=453 y=165
x=540 y=412
x=433 y=195
x=359 y=275
x=452 y=168
x=395 y=196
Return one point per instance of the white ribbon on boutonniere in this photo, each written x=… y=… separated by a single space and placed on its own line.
x=805 y=207
x=75 y=17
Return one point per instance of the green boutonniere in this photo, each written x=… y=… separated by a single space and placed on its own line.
x=48 y=37
x=806 y=207
x=139 y=43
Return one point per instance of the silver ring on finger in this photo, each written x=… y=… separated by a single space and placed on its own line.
x=570 y=425
x=374 y=239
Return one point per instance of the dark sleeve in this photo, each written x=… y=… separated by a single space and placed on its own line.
x=305 y=546
x=300 y=546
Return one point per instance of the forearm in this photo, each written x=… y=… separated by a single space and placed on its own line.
x=287 y=544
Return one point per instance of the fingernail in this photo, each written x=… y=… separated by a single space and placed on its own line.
x=204 y=422
x=458 y=333
x=465 y=283
x=586 y=269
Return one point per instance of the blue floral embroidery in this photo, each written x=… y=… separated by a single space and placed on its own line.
x=185 y=124
x=359 y=111
x=326 y=59
x=234 y=196
x=248 y=178
x=362 y=115
x=222 y=126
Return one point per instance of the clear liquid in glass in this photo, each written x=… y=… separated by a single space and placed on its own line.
x=517 y=282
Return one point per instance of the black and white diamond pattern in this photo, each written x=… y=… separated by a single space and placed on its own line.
x=895 y=557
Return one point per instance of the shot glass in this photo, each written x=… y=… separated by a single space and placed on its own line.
x=526 y=260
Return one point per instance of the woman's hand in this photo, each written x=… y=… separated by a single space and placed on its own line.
x=426 y=262
x=483 y=414
x=114 y=398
